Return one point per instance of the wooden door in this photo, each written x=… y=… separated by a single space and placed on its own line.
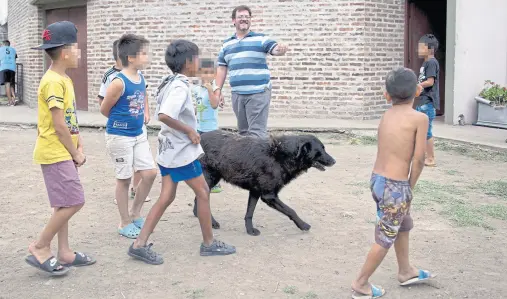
x=422 y=17
x=79 y=76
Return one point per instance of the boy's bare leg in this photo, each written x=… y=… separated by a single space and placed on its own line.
x=375 y=257
x=65 y=254
x=167 y=195
x=430 y=152
x=13 y=93
x=142 y=189
x=136 y=181
x=122 y=193
x=60 y=217
x=201 y=190
x=9 y=93
x=401 y=246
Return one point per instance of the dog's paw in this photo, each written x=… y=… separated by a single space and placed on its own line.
x=253 y=232
x=304 y=226
x=215 y=224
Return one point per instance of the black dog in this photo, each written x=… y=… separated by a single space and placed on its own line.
x=261 y=166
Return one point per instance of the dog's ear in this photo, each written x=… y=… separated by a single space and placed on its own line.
x=304 y=149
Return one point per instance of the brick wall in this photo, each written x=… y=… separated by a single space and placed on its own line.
x=25 y=26
x=340 y=50
x=384 y=49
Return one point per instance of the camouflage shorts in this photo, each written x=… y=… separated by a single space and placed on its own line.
x=393 y=208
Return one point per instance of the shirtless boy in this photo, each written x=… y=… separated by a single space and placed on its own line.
x=400 y=161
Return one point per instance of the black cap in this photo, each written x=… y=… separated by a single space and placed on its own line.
x=58 y=34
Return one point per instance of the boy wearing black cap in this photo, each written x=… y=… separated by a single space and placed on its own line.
x=59 y=150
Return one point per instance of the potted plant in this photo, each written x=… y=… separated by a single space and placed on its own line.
x=491 y=106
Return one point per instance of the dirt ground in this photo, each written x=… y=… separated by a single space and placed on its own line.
x=460 y=214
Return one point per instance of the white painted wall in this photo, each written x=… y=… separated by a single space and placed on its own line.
x=3 y=12
x=480 y=52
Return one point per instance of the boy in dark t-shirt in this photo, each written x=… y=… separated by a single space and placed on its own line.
x=429 y=99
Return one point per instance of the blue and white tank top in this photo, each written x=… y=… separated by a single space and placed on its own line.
x=127 y=115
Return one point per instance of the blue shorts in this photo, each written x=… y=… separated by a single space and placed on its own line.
x=182 y=173
x=429 y=110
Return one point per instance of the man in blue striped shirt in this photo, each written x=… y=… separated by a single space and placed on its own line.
x=244 y=56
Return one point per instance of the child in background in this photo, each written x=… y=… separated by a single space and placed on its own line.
x=126 y=107
x=178 y=153
x=108 y=77
x=206 y=103
x=429 y=100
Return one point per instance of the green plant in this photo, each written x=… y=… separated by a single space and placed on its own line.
x=494 y=93
x=290 y=290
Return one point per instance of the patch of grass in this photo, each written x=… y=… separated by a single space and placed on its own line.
x=452 y=172
x=360 y=184
x=496 y=188
x=363 y=140
x=290 y=290
x=473 y=151
x=310 y=295
x=465 y=215
x=494 y=211
x=194 y=294
x=428 y=192
x=359 y=187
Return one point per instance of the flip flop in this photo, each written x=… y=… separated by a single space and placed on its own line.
x=49 y=266
x=139 y=222
x=376 y=292
x=130 y=231
x=81 y=260
x=423 y=275
x=434 y=164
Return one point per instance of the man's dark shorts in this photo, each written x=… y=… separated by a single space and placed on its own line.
x=9 y=77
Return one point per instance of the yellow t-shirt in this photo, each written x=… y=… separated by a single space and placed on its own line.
x=57 y=91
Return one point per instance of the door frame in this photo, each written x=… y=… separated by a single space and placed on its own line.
x=448 y=79
x=44 y=8
x=55 y=5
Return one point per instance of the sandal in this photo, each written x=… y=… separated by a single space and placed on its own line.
x=130 y=231
x=81 y=260
x=50 y=266
x=376 y=292
x=423 y=275
x=139 y=222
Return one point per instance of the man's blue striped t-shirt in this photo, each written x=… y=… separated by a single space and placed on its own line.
x=246 y=61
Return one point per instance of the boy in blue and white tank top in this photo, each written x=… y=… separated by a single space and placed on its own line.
x=206 y=103
x=107 y=78
x=126 y=107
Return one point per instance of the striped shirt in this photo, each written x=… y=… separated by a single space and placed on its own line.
x=108 y=77
x=246 y=61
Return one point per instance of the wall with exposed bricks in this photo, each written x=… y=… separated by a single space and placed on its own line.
x=340 y=50
x=25 y=27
